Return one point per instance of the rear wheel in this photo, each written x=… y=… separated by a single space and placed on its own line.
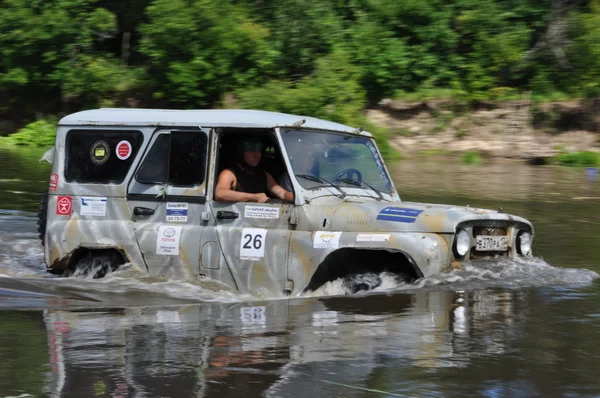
x=94 y=263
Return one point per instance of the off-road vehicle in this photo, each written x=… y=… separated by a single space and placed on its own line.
x=137 y=187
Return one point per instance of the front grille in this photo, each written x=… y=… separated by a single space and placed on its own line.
x=488 y=231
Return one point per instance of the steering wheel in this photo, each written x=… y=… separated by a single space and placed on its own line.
x=349 y=174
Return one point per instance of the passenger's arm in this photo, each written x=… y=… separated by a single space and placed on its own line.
x=277 y=190
x=224 y=191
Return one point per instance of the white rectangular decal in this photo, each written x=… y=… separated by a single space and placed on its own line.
x=93 y=206
x=167 y=240
x=372 y=237
x=263 y=212
x=326 y=240
x=177 y=212
x=252 y=244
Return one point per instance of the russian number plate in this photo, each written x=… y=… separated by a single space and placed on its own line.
x=491 y=243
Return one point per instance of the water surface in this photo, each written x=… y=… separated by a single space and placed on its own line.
x=514 y=329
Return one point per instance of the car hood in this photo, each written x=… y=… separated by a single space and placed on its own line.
x=372 y=216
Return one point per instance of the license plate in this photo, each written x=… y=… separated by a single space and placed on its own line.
x=491 y=243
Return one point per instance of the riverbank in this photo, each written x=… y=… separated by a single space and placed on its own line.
x=567 y=132
x=516 y=129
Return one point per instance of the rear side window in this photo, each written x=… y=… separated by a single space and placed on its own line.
x=100 y=156
x=178 y=159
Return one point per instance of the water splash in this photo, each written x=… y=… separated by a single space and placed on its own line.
x=21 y=256
x=519 y=272
x=354 y=284
x=510 y=273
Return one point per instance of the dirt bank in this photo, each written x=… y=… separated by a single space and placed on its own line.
x=516 y=129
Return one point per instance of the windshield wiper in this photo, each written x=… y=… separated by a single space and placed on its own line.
x=360 y=184
x=322 y=180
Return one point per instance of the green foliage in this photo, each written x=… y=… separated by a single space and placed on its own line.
x=331 y=92
x=471 y=157
x=579 y=159
x=585 y=49
x=326 y=58
x=41 y=133
x=461 y=133
x=197 y=50
x=52 y=47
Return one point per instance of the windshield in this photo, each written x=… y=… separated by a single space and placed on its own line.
x=322 y=159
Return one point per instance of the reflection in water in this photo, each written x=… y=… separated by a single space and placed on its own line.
x=518 y=328
x=276 y=348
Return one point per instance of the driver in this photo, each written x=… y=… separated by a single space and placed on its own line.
x=245 y=181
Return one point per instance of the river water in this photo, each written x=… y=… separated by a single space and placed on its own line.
x=495 y=329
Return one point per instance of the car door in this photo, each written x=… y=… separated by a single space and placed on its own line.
x=167 y=200
x=253 y=238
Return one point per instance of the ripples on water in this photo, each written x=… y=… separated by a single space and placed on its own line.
x=496 y=328
x=21 y=256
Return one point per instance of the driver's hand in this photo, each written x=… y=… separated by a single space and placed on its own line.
x=261 y=197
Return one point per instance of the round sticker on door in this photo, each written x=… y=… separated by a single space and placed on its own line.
x=123 y=150
x=100 y=152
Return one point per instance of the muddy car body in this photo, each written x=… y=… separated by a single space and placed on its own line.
x=137 y=187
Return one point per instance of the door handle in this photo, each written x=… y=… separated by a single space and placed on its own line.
x=142 y=211
x=227 y=215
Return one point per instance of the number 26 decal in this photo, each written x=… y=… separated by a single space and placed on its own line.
x=253 y=241
x=252 y=244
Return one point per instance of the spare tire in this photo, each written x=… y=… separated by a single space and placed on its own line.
x=42 y=216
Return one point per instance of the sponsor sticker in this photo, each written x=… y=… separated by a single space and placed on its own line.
x=399 y=214
x=252 y=244
x=64 y=205
x=326 y=240
x=123 y=150
x=262 y=212
x=372 y=237
x=100 y=152
x=167 y=240
x=53 y=182
x=91 y=206
x=177 y=212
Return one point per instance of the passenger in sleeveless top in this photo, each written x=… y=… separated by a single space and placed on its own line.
x=246 y=182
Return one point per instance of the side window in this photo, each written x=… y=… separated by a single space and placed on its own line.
x=100 y=156
x=155 y=168
x=178 y=158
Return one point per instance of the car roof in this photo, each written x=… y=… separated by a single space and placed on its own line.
x=241 y=118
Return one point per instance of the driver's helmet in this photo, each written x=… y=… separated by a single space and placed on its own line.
x=248 y=144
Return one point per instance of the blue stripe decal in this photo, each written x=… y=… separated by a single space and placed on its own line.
x=399 y=214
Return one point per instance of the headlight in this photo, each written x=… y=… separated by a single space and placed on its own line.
x=524 y=243
x=462 y=243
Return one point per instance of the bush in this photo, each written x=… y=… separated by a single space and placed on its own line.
x=581 y=159
x=41 y=133
x=471 y=157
